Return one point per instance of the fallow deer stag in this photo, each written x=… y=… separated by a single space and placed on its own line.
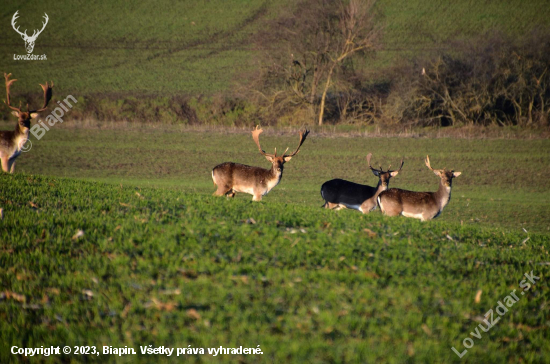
x=12 y=142
x=232 y=177
x=339 y=193
x=419 y=205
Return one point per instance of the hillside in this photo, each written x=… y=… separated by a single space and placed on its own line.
x=188 y=47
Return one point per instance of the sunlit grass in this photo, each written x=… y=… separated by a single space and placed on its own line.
x=163 y=267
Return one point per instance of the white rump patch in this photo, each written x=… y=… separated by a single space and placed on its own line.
x=353 y=207
x=380 y=204
x=248 y=190
x=415 y=216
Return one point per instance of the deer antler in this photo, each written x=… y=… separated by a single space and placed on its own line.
x=47 y=96
x=373 y=169
x=381 y=170
x=303 y=136
x=400 y=167
x=256 y=136
x=8 y=84
x=438 y=172
x=428 y=162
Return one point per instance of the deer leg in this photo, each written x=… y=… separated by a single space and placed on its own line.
x=5 y=164
x=222 y=190
x=230 y=193
x=367 y=206
x=11 y=165
x=391 y=211
x=257 y=197
x=388 y=208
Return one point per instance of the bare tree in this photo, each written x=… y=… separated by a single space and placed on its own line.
x=295 y=49
x=357 y=32
x=311 y=45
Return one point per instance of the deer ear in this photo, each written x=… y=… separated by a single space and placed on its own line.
x=394 y=173
x=376 y=173
x=437 y=172
x=34 y=115
x=269 y=158
x=287 y=158
x=15 y=113
x=456 y=174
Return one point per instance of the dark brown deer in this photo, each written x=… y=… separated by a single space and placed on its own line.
x=232 y=177
x=12 y=142
x=419 y=205
x=339 y=193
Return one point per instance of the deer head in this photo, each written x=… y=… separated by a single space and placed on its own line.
x=445 y=175
x=26 y=116
x=29 y=41
x=384 y=176
x=278 y=161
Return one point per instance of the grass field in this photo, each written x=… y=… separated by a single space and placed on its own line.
x=504 y=182
x=165 y=47
x=162 y=262
x=110 y=236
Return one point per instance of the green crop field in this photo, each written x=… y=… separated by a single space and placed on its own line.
x=165 y=47
x=504 y=182
x=110 y=235
x=160 y=261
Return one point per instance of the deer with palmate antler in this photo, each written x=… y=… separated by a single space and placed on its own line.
x=339 y=193
x=12 y=142
x=419 y=205
x=232 y=177
x=29 y=41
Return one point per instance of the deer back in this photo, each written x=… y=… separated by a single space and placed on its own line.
x=346 y=192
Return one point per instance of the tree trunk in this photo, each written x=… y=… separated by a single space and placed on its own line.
x=313 y=94
x=530 y=110
x=323 y=98
x=314 y=83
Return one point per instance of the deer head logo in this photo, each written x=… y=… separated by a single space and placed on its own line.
x=29 y=41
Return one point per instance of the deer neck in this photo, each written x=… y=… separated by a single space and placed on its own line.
x=275 y=174
x=274 y=178
x=443 y=195
x=379 y=189
x=18 y=139
x=21 y=131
